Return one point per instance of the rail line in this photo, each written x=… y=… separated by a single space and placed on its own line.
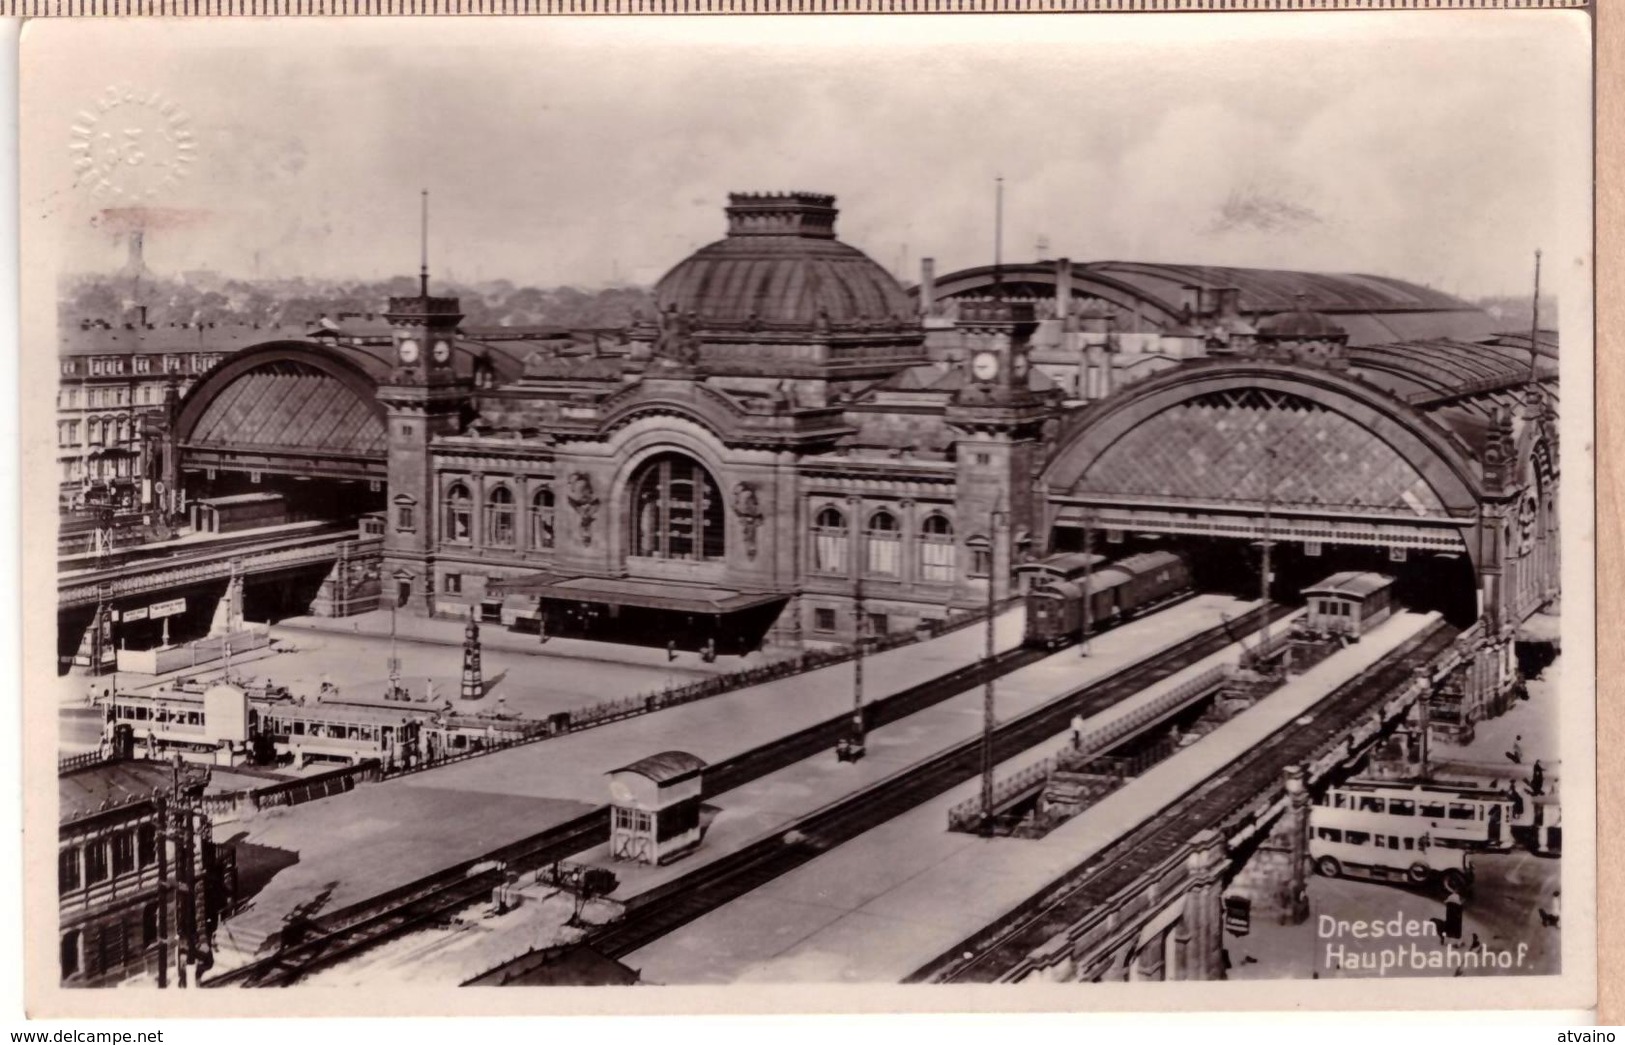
x=77 y=567
x=351 y=930
x=1209 y=803
x=672 y=905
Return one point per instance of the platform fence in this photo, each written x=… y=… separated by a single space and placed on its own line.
x=967 y=815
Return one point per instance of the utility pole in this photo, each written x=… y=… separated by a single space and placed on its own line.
x=1534 y=328
x=862 y=628
x=998 y=235
x=1088 y=581
x=989 y=719
x=1264 y=576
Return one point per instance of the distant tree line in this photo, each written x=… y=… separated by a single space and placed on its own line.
x=207 y=298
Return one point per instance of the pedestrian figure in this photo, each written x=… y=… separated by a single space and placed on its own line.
x=1452 y=916
x=1517 y=800
x=671 y=649
x=1077 y=731
x=1516 y=754
x=1537 y=779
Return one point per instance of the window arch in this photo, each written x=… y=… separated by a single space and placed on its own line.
x=936 y=548
x=677 y=510
x=541 y=518
x=830 y=538
x=459 y=514
x=499 y=517
x=882 y=541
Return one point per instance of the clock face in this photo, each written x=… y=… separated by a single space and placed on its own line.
x=984 y=366
x=442 y=351
x=409 y=350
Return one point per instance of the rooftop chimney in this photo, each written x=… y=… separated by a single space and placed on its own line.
x=928 y=286
x=1063 y=290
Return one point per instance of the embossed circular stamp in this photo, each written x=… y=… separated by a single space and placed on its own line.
x=131 y=145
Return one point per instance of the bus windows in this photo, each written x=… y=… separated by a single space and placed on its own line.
x=1462 y=811
x=1382 y=841
x=1357 y=837
x=1410 y=843
x=1339 y=800
x=1370 y=804
x=1331 y=834
x=1433 y=810
x=1401 y=807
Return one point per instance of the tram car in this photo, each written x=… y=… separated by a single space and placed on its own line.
x=1349 y=603
x=226 y=725
x=1118 y=592
x=1062 y=566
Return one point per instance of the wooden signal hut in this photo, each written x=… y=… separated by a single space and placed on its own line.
x=655 y=808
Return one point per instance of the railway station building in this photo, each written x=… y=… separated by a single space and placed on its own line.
x=795 y=445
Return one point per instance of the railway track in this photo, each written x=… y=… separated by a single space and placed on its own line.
x=672 y=905
x=347 y=932
x=1003 y=947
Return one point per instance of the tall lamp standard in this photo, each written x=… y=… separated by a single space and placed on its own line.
x=402 y=578
x=854 y=745
x=989 y=719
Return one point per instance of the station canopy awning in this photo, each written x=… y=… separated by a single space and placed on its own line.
x=645 y=594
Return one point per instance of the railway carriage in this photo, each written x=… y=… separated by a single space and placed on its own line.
x=1349 y=603
x=1121 y=591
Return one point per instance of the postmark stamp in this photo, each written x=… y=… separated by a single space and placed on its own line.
x=131 y=145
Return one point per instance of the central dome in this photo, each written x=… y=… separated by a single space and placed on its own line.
x=781 y=266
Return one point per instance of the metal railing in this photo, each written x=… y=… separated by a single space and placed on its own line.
x=968 y=814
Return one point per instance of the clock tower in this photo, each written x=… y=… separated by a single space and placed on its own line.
x=999 y=421
x=425 y=398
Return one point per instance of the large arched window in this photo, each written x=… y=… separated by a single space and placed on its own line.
x=499 y=517
x=541 y=518
x=459 y=514
x=881 y=543
x=936 y=548
x=677 y=510
x=829 y=541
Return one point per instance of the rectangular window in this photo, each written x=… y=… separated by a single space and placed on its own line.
x=123 y=853
x=879 y=624
x=95 y=863
x=823 y=619
x=1382 y=841
x=1370 y=804
x=405 y=517
x=67 y=869
x=1462 y=811
x=1357 y=838
x=829 y=551
x=453 y=584
x=1401 y=807
x=981 y=562
x=1331 y=834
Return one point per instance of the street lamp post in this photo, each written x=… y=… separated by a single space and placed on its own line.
x=989 y=719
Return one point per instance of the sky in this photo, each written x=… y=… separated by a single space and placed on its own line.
x=1441 y=147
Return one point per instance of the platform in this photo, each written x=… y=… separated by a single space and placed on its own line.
x=384 y=835
x=886 y=903
x=765 y=806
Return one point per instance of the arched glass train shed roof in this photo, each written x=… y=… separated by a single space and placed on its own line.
x=1372 y=309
